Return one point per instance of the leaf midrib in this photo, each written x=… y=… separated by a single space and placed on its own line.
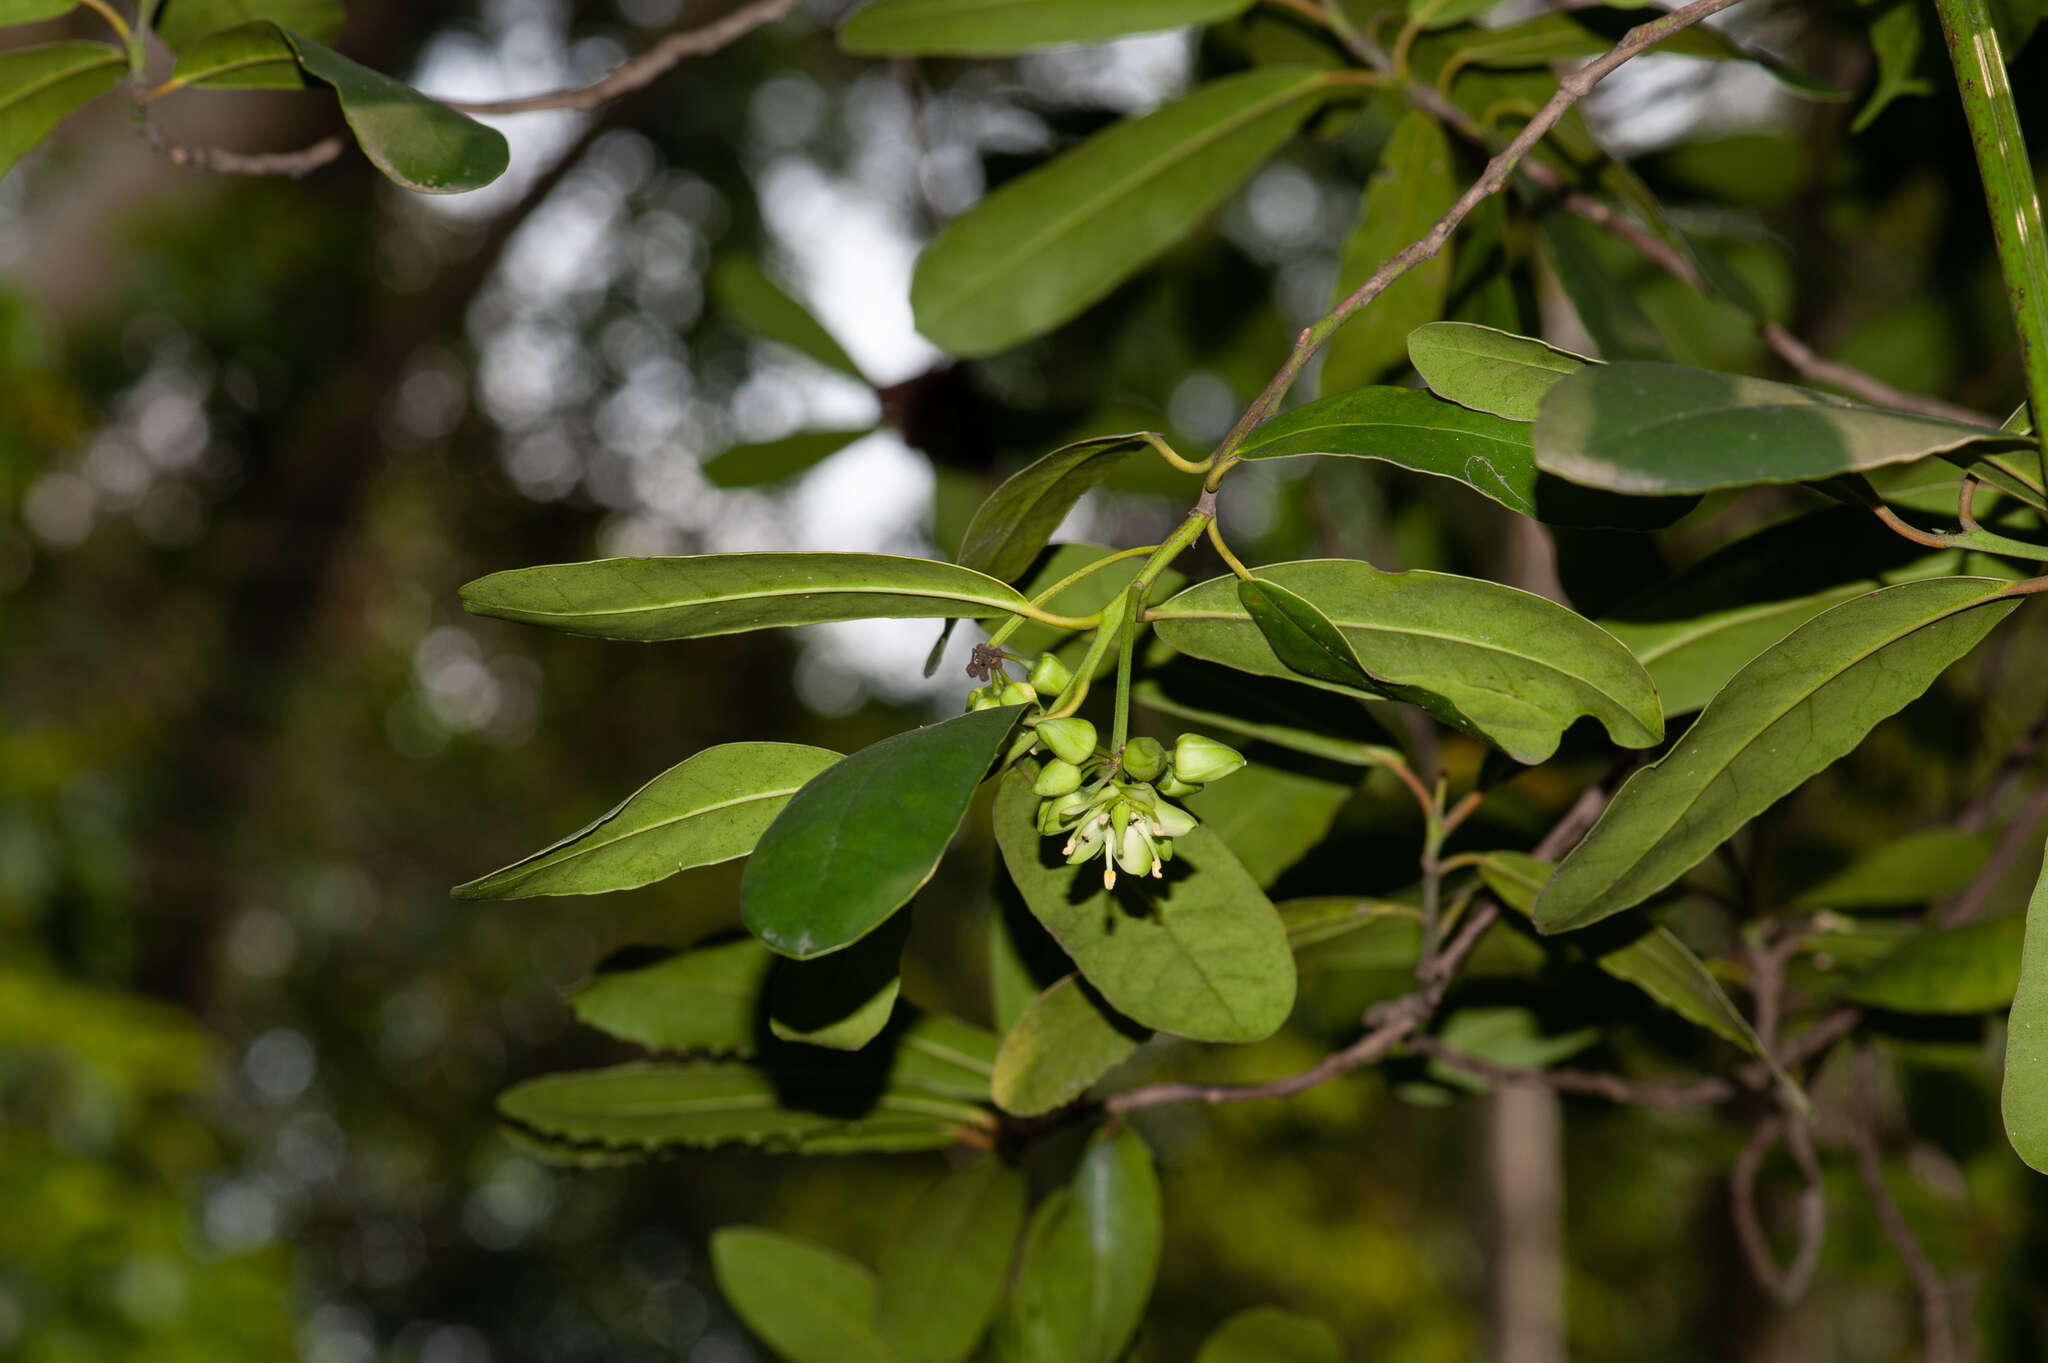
x=555 y=861
x=773 y=595
x=30 y=91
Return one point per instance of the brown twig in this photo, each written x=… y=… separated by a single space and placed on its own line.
x=1933 y=1293
x=642 y=70
x=294 y=164
x=1790 y=1283
x=1698 y=1093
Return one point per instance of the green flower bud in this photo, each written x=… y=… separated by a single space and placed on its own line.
x=1134 y=851
x=1050 y=675
x=1016 y=693
x=1145 y=759
x=1201 y=759
x=982 y=698
x=1171 y=820
x=1071 y=740
x=1174 y=786
x=1058 y=778
x=1086 y=842
x=1060 y=812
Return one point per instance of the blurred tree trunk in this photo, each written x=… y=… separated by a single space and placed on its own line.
x=1525 y=1196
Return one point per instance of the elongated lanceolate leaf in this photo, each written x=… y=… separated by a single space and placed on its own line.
x=705 y=809
x=417 y=142
x=246 y=57
x=857 y=842
x=1606 y=306
x=996 y=28
x=1656 y=429
x=1019 y=517
x=184 y=22
x=1043 y=247
x=1415 y=184
x=2025 y=1095
x=1488 y=370
x=740 y=287
x=1504 y=665
x=811 y=1304
x=1492 y=455
x=704 y=999
x=1790 y=713
x=1199 y=953
x=1266 y=1334
x=33 y=11
x=943 y=1274
x=1089 y=1260
x=1915 y=869
x=689 y=598
x=774 y=461
x=1973 y=968
x=1561 y=37
x=1065 y=1040
x=40 y=85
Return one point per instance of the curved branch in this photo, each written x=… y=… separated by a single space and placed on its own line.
x=294 y=164
x=1933 y=1293
x=1788 y=1284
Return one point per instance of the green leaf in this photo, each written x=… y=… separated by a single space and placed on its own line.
x=33 y=11
x=997 y=28
x=845 y=1002
x=864 y=836
x=1266 y=1334
x=417 y=142
x=811 y=1304
x=943 y=1274
x=1504 y=665
x=1435 y=14
x=1089 y=1259
x=1662 y=428
x=741 y=287
x=1086 y=597
x=40 y=85
x=1415 y=184
x=1492 y=455
x=1271 y=813
x=1795 y=709
x=181 y=23
x=648 y=1105
x=690 y=598
x=1017 y=520
x=247 y=57
x=1609 y=311
x=1487 y=370
x=775 y=461
x=1043 y=247
x=1200 y=953
x=1301 y=636
x=1562 y=37
x=708 y=808
x=1508 y=1036
x=703 y=999
x=2025 y=1098
x=1973 y=968
x=1066 y=1040
x=1902 y=872
x=945 y=1056
x=1298 y=718
x=1897 y=35
x=1344 y=932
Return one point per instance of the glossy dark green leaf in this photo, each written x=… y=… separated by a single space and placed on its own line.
x=1663 y=428
x=1200 y=953
x=1068 y=1038
x=1304 y=720
x=741 y=288
x=1272 y=812
x=1915 y=869
x=1301 y=636
x=811 y=1304
x=943 y=1274
x=1973 y=968
x=1492 y=455
x=1795 y=709
x=842 y=1003
x=1018 y=519
x=2025 y=1096
x=775 y=461
x=40 y=85
x=1043 y=247
x=1089 y=1259
x=1505 y=665
x=1415 y=184
x=708 y=808
x=417 y=142
x=1490 y=371
x=865 y=835
x=997 y=28
x=689 y=598
x=251 y=56
x=1606 y=306
x=704 y=999
x=184 y=22
x=1266 y=1334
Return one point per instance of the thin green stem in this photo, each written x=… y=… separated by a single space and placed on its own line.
x=1223 y=552
x=2009 y=188
x=1046 y=617
x=1120 y=732
x=112 y=16
x=1187 y=533
x=1081 y=574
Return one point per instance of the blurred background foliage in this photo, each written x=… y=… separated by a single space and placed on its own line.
x=253 y=435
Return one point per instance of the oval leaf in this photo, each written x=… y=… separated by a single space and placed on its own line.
x=1036 y=252
x=1200 y=953
x=1504 y=665
x=943 y=1274
x=184 y=22
x=690 y=598
x=1019 y=517
x=40 y=85
x=417 y=142
x=1266 y=1334
x=1066 y=1040
x=703 y=999
x=864 y=836
x=246 y=57
x=810 y=1304
x=2025 y=1094
x=705 y=809
x=1089 y=1259
x=1656 y=429
x=1488 y=370
x=1789 y=714
x=996 y=28
x=1973 y=968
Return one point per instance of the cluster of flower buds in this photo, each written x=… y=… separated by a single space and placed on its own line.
x=1114 y=805
x=1047 y=679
